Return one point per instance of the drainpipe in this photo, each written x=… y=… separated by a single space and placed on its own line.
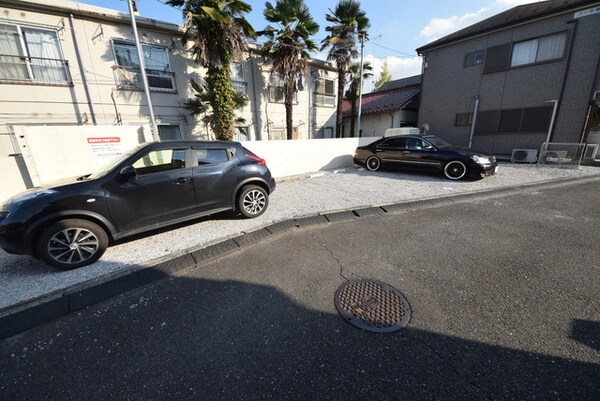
x=555 y=101
x=475 y=110
x=86 y=88
x=256 y=111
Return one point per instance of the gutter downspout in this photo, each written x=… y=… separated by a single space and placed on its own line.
x=82 y=70
x=555 y=101
x=256 y=112
x=475 y=110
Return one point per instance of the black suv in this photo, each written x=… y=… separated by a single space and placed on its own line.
x=70 y=223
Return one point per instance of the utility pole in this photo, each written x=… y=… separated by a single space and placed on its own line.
x=138 y=46
x=360 y=89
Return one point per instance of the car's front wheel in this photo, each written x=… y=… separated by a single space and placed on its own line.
x=72 y=243
x=455 y=170
x=373 y=163
x=253 y=201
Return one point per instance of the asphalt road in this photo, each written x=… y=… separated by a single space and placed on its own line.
x=504 y=293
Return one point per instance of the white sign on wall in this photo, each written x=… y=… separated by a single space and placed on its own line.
x=589 y=11
x=105 y=146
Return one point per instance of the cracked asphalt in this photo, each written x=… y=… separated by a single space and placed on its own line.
x=503 y=290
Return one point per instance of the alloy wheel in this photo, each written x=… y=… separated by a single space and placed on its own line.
x=73 y=245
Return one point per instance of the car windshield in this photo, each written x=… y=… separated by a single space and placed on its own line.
x=113 y=163
x=437 y=142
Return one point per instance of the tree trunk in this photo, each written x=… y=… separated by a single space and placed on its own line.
x=353 y=118
x=219 y=79
x=340 y=101
x=289 y=97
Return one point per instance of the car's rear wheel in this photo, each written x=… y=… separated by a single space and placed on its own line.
x=373 y=163
x=455 y=170
x=253 y=201
x=72 y=243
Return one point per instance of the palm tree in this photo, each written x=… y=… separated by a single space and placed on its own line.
x=218 y=30
x=288 y=45
x=204 y=96
x=348 y=23
x=352 y=94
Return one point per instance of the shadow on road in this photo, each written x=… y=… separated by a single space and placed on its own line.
x=187 y=338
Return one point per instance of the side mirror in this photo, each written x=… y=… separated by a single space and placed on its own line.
x=429 y=148
x=128 y=173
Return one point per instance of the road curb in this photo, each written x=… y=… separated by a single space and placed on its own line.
x=29 y=314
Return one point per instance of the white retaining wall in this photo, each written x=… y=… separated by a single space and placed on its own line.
x=288 y=158
x=54 y=152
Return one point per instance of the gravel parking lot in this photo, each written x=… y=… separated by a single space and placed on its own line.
x=24 y=278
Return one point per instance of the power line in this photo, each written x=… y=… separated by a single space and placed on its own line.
x=393 y=50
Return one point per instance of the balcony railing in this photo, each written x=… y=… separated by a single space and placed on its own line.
x=34 y=69
x=131 y=78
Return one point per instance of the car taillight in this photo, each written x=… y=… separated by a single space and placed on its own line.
x=259 y=160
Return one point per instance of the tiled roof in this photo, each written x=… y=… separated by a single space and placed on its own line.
x=414 y=80
x=510 y=17
x=383 y=101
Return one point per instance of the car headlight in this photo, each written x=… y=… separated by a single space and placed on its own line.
x=481 y=159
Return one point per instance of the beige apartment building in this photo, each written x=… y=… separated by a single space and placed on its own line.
x=69 y=64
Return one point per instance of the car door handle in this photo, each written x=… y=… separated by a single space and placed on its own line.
x=181 y=180
x=378 y=150
x=406 y=152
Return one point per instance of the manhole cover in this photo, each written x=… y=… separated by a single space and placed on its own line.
x=372 y=305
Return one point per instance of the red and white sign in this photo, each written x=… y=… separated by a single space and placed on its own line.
x=111 y=139
x=106 y=146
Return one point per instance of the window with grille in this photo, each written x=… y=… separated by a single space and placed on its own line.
x=463 y=120
x=156 y=62
x=31 y=54
x=277 y=89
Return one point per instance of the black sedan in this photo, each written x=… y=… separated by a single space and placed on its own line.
x=426 y=152
x=69 y=224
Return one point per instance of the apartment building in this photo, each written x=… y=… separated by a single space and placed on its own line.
x=64 y=63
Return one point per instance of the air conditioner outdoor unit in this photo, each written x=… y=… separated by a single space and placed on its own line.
x=524 y=156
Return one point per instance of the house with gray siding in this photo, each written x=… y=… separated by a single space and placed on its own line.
x=523 y=77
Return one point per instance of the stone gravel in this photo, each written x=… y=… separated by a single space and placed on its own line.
x=23 y=278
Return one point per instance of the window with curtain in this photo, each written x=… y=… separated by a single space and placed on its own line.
x=156 y=62
x=31 y=54
x=237 y=77
x=546 y=48
x=325 y=92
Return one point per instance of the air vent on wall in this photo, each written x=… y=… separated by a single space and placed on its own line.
x=524 y=156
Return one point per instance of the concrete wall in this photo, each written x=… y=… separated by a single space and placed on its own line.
x=51 y=153
x=11 y=181
x=288 y=158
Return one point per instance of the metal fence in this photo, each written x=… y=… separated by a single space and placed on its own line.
x=561 y=154
x=131 y=78
x=34 y=69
